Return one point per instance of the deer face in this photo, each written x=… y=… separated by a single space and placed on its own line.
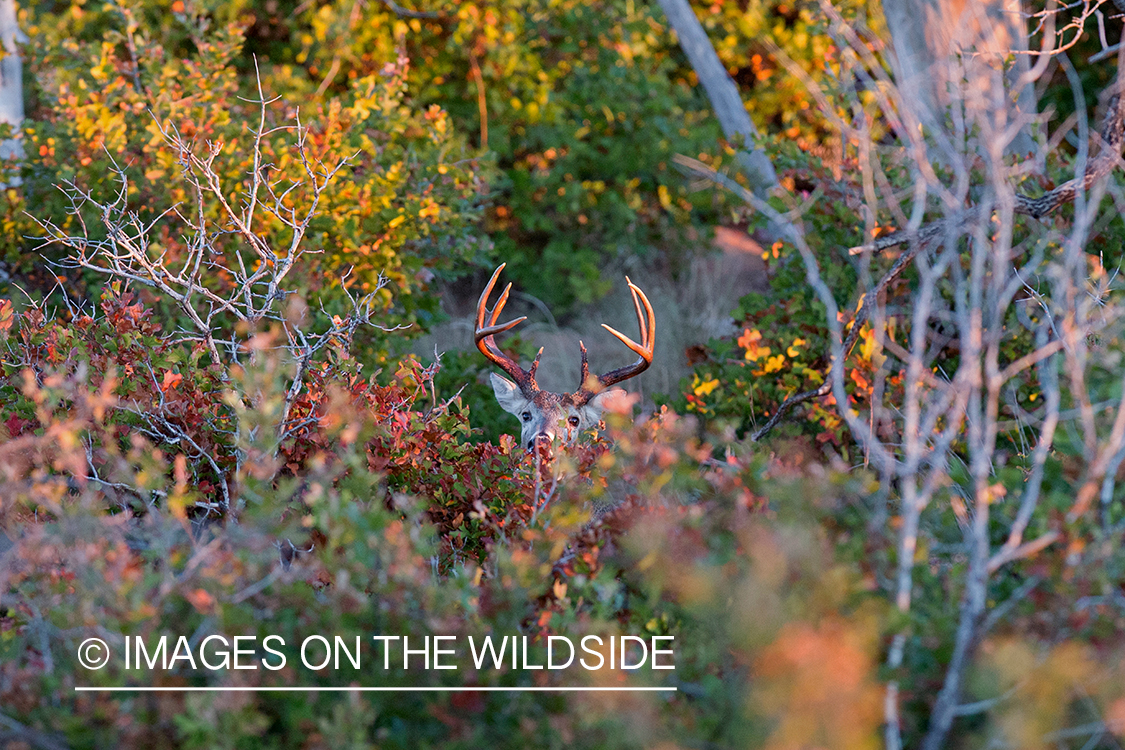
x=543 y=415
x=546 y=416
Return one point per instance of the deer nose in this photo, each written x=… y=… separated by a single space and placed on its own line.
x=543 y=437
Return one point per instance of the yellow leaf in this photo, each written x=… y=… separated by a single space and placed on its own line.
x=704 y=388
x=773 y=364
x=430 y=210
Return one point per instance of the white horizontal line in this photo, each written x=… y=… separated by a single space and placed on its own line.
x=252 y=689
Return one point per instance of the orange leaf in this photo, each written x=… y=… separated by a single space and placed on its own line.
x=7 y=316
x=201 y=600
x=171 y=380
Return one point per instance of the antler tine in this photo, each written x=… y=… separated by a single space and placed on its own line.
x=483 y=335
x=585 y=374
x=492 y=329
x=646 y=321
x=535 y=364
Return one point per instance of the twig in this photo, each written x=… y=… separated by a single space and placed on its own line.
x=1109 y=157
x=999 y=612
x=1008 y=554
x=406 y=13
x=256 y=587
x=482 y=101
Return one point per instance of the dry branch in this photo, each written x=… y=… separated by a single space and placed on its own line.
x=1109 y=156
x=970 y=285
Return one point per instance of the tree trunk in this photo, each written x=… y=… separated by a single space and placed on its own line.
x=722 y=92
x=11 y=79
x=928 y=35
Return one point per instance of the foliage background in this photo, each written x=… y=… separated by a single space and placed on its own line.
x=539 y=133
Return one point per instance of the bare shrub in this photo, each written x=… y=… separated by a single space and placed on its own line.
x=995 y=338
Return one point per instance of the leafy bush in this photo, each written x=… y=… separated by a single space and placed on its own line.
x=115 y=96
x=114 y=533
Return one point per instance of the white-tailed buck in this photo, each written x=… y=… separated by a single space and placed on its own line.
x=542 y=414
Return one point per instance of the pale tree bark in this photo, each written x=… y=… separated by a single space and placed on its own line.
x=722 y=92
x=928 y=35
x=11 y=79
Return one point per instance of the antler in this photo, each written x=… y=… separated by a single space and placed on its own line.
x=646 y=320
x=484 y=336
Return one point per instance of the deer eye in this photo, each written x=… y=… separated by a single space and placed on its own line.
x=526 y=416
x=573 y=421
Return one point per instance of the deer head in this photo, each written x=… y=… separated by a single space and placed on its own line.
x=544 y=415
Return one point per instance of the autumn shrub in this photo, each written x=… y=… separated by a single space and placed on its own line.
x=779 y=342
x=375 y=516
x=942 y=315
x=581 y=105
x=777 y=632
x=112 y=86
x=577 y=194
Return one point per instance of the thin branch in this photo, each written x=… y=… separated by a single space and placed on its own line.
x=406 y=13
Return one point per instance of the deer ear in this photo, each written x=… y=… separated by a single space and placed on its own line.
x=600 y=402
x=508 y=394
